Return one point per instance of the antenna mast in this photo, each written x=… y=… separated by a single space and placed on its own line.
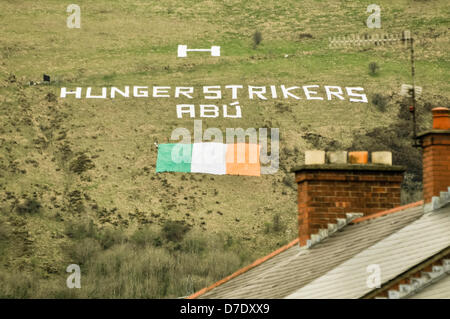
x=413 y=93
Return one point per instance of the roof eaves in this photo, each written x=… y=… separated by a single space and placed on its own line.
x=243 y=270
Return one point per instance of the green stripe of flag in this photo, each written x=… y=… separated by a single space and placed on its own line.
x=174 y=158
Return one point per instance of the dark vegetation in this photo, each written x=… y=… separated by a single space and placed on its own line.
x=276 y=226
x=380 y=101
x=373 y=68
x=151 y=262
x=257 y=38
x=27 y=206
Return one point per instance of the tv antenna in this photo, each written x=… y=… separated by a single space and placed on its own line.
x=412 y=108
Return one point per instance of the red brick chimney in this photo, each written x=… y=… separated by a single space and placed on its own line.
x=332 y=184
x=436 y=155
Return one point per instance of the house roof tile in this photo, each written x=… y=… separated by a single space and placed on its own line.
x=394 y=254
x=290 y=270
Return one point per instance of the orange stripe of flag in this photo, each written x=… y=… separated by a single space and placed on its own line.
x=243 y=159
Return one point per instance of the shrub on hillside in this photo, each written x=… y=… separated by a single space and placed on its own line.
x=380 y=101
x=174 y=230
x=27 y=206
x=127 y=270
x=373 y=68
x=147 y=236
x=194 y=244
x=275 y=226
x=82 y=251
x=81 y=229
x=81 y=164
x=18 y=285
x=110 y=236
x=5 y=230
x=305 y=36
x=257 y=38
x=106 y=237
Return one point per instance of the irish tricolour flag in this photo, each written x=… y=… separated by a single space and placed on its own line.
x=210 y=158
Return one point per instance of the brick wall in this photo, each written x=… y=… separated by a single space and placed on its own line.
x=436 y=164
x=325 y=194
x=436 y=155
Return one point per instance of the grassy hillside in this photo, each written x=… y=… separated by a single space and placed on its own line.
x=77 y=176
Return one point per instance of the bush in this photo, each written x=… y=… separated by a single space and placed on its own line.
x=174 y=230
x=411 y=189
x=81 y=164
x=75 y=201
x=127 y=270
x=17 y=285
x=86 y=229
x=27 y=206
x=267 y=228
x=110 y=236
x=305 y=36
x=380 y=101
x=257 y=38
x=229 y=241
x=146 y=236
x=194 y=244
x=219 y=264
x=373 y=68
x=81 y=230
x=82 y=251
x=276 y=226
x=5 y=230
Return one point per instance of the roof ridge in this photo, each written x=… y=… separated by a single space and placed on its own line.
x=331 y=229
x=243 y=270
x=387 y=212
x=438 y=201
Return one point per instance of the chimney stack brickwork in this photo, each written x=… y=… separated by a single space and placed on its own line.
x=436 y=155
x=332 y=184
x=328 y=191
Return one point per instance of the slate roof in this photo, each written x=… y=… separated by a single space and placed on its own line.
x=294 y=269
x=395 y=254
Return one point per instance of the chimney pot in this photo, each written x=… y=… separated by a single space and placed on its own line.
x=326 y=193
x=337 y=157
x=358 y=157
x=314 y=157
x=441 y=118
x=384 y=158
x=436 y=155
